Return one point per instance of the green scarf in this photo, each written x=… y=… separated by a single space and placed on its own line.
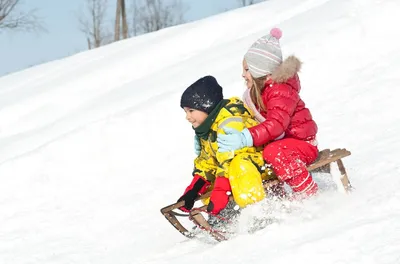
x=203 y=130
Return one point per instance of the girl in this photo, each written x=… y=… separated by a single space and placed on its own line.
x=285 y=124
x=238 y=172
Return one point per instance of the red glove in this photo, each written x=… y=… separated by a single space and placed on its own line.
x=197 y=187
x=219 y=196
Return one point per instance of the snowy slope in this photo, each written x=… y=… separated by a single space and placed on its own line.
x=89 y=148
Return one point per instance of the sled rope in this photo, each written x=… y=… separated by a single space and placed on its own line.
x=217 y=234
x=217 y=216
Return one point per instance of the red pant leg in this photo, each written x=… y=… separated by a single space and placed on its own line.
x=289 y=158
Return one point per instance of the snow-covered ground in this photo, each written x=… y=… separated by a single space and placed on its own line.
x=93 y=145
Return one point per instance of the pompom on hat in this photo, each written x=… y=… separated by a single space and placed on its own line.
x=265 y=55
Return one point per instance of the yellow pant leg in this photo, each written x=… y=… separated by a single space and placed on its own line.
x=245 y=180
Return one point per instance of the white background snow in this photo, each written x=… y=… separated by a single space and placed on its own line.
x=93 y=145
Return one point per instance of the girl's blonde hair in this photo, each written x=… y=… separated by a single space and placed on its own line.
x=256 y=90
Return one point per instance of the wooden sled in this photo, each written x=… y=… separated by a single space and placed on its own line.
x=322 y=164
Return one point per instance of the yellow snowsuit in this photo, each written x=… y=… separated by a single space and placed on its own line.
x=245 y=168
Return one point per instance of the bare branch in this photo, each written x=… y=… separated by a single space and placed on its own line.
x=135 y=12
x=154 y=15
x=13 y=19
x=92 y=23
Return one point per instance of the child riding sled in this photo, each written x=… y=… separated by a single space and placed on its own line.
x=286 y=127
x=238 y=172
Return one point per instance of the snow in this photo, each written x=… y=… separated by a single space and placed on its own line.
x=93 y=145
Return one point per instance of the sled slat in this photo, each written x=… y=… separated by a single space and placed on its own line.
x=334 y=155
x=322 y=156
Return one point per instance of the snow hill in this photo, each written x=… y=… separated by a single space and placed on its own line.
x=93 y=145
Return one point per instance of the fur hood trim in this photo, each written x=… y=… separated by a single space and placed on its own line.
x=288 y=68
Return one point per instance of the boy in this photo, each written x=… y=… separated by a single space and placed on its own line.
x=238 y=172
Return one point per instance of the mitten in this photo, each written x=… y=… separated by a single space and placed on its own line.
x=197 y=187
x=197 y=145
x=219 y=196
x=234 y=139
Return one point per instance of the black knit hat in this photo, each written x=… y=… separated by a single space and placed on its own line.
x=202 y=95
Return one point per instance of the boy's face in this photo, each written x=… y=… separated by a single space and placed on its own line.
x=195 y=117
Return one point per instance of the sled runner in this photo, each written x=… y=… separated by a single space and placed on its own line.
x=323 y=164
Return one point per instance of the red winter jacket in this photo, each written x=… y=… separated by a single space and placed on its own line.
x=286 y=114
